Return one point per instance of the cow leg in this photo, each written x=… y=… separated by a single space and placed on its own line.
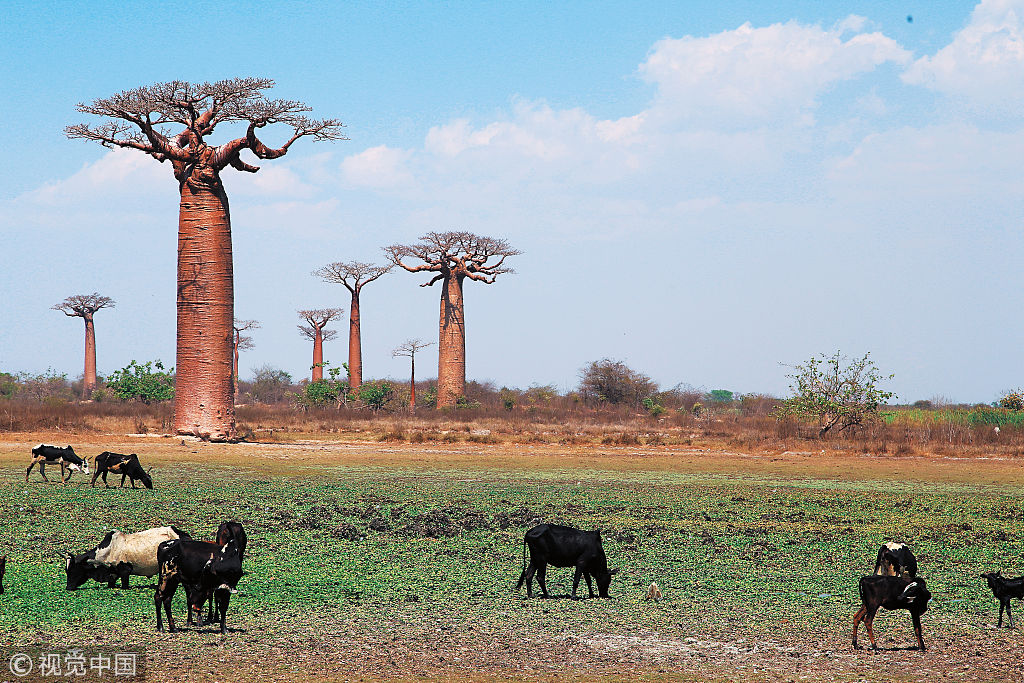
x=1002 y=606
x=1009 y=613
x=223 y=598
x=541 y=574
x=869 y=620
x=64 y=477
x=29 y=470
x=917 y=630
x=576 y=580
x=122 y=479
x=42 y=470
x=95 y=475
x=857 y=618
x=124 y=582
x=528 y=573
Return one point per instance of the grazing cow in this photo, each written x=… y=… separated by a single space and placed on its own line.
x=1003 y=588
x=206 y=570
x=3 y=568
x=896 y=559
x=128 y=466
x=44 y=455
x=891 y=592
x=107 y=561
x=563 y=546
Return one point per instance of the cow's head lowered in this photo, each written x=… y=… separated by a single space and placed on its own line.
x=81 y=568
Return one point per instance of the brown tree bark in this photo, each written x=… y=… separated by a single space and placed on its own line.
x=412 y=385
x=318 y=355
x=89 y=376
x=206 y=303
x=451 y=354
x=355 y=345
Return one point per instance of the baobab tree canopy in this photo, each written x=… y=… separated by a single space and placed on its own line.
x=454 y=257
x=317 y=319
x=142 y=119
x=172 y=122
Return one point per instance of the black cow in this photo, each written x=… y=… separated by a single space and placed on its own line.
x=3 y=568
x=563 y=546
x=896 y=559
x=206 y=570
x=44 y=455
x=228 y=531
x=128 y=466
x=891 y=592
x=1004 y=589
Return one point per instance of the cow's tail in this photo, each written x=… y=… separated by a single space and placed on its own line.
x=522 y=575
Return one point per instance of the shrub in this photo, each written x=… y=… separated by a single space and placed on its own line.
x=148 y=382
x=835 y=393
x=270 y=385
x=720 y=396
x=1014 y=400
x=611 y=381
x=376 y=395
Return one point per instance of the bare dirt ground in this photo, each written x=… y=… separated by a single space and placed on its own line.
x=397 y=640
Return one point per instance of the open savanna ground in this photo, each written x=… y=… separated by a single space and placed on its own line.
x=384 y=560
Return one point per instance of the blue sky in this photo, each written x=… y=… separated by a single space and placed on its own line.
x=703 y=191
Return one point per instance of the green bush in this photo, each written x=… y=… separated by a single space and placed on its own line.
x=1014 y=400
x=376 y=395
x=148 y=382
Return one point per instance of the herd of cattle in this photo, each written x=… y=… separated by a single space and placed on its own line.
x=210 y=571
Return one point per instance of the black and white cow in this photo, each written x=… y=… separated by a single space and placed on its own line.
x=44 y=455
x=128 y=466
x=107 y=561
x=891 y=593
x=896 y=559
x=563 y=546
x=208 y=571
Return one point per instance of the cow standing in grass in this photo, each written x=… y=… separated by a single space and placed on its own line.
x=107 y=561
x=66 y=457
x=128 y=466
x=1004 y=589
x=891 y=593
x=563 y=546
x=896 y=559
x=207 y=571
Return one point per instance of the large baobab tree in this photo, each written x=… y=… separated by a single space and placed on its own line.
x=454 y=257
x=242 y=342
x=317 y=319
x=172 y=122
x=408 y=349
x=84 y=306
x=354 y=275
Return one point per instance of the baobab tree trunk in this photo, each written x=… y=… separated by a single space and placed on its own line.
x=234 y=361
x=206 y=305
x=355 y=346
x=412 y=385
x=451 y=356
x=89 y=376
x=318 y=355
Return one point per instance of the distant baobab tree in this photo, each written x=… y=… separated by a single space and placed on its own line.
x=171 y=122
x=84 y=306
x=242 y=342
x=354 y=275
x=408 y=350
x=453 y=256
x=317 y=319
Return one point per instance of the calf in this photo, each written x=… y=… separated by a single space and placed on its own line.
x=3 y=568
x=1003 y=588
x=896 y=559
x=891 y=592
x=44 y=455
x=206 y=570
x=562 y=546
x=119 y=555
x=128 y=466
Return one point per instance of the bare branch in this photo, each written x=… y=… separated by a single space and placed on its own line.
x=83 y=305
x=455 y=253
x=310 y=333
x=352 y=274
x=319 y=317
x=409 y=347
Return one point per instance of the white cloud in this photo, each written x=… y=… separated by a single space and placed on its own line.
x=756 y=75
x=984 y=64
x=380 y=167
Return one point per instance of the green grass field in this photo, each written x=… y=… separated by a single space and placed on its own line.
x=404 y=549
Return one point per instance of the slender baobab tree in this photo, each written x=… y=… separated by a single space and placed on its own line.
x=84 y=306
x=354 y=275
x=453 y=256
x=408 y=350
x=317 y=319
x=171 y=122
x=242 y=342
